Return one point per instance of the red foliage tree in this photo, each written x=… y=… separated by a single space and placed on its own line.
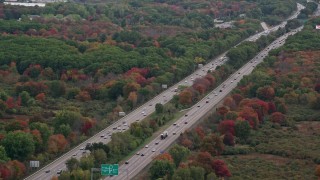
x=18 y=169
x=186 y=142
x=211 y=79
x=237 y=98
x=228 y=101
x=164 y=156
x=250 y=115
x=10 y=102
x=272 y=107
x=278 y=117
x=41 y=97
x=87 y=125
x=222 y=111
x=5 y=172
x=220 y=168
x=317 y=87
x=199 y=131
x=204 y=158
x=228 y=139
x=226 y=126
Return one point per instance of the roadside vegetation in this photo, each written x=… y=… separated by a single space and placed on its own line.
x=268 y=128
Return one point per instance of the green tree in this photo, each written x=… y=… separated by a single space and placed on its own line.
x=211 y=176
x=3 y=155
x=72 y=164
x=179 y=153
x=80 y=174
x=57 y=88
x=87 y=162
x=197 y=173
x=242 y=129
x=182 y=174
x=100 y=157
x=161 y=168
x=19 y=145
x=73 y=119
x=63 y=129
x=25 y=97
x=159 y=108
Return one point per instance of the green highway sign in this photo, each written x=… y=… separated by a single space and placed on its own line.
x=109 y=169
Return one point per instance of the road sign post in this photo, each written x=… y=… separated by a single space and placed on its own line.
x=109 y=169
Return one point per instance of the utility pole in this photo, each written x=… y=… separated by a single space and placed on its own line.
x=94 y=170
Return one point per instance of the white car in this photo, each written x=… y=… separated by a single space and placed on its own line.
x=146 y=146
x=153 y=150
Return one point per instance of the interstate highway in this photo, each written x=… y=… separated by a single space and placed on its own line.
x=137 y=162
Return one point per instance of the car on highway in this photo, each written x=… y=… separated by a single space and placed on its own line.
x=153 y=150
x=231 y=82
x=47 y=171
x=119 y=128
x=186 y=122
x=138 y=153
x=198 y=106
x=186 y=115
x=174 y=133
x=156 y=143
x=142 y=154
x=102 y=135
x=220 y=90
x=82 y=148
x=59 y=171
x=174 y=124
x=75 y=154
x=146 y=146
x=127 y=162
x=207 y=101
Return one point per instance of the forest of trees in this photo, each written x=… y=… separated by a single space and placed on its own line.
x=67 y=69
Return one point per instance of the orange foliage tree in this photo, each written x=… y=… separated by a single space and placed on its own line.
x=164 y=156
x=57 y=143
